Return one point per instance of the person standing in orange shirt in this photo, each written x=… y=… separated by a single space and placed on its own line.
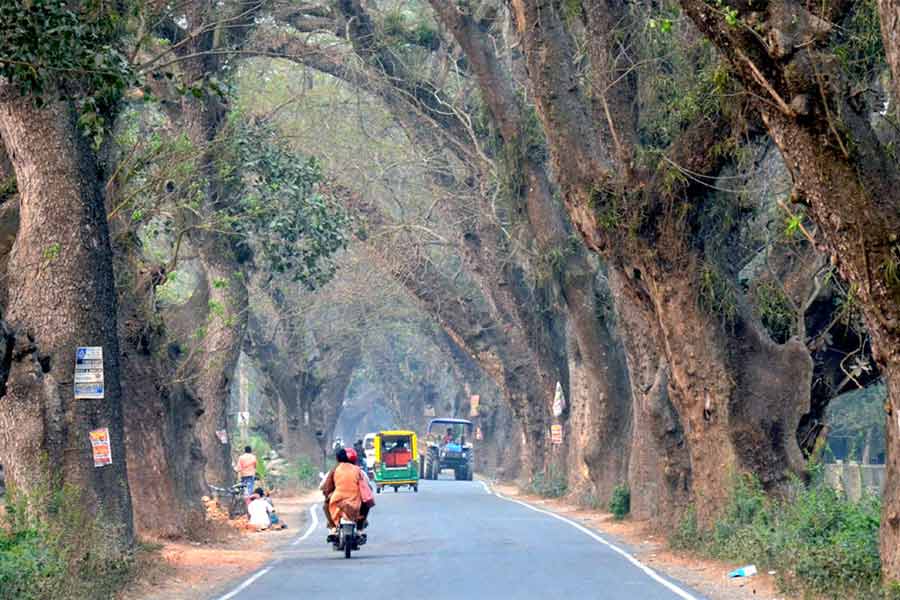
x=246 y=468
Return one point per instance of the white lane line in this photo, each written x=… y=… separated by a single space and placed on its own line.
x=246 y=584
x=649 y=572
x=249 y=581
x=312 y=526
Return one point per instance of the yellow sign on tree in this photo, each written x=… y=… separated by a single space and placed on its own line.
x=556 y=434
x=474 y=402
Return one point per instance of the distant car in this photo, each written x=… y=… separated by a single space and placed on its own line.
x=369 y=446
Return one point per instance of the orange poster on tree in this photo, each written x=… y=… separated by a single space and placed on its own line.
x=101 y=447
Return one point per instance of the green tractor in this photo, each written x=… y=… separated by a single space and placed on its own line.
x=448 y=445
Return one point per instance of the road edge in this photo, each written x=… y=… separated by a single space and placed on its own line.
x=248 y=581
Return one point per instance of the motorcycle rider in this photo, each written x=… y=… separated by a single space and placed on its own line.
x=346 y=490
x=361 y=455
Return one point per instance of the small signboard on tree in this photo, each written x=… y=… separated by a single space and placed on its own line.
x=474 y=402
x=556 y=434
x=101 y=447
x=559 y=401
x=89 y=372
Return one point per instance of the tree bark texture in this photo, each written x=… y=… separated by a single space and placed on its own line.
x=166 y=464
x=832 y=151
x=659 y=470
x=731 y=421
x=62 y=296
x=601 y=432
x=202 y=119
x=889 y=11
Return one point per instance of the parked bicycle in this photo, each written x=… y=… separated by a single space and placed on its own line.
x=235 y=499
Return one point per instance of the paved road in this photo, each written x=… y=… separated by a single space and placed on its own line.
x=454 y=540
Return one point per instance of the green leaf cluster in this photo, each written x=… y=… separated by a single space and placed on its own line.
x=279 y=206
x=54 y=49
x=774 y=310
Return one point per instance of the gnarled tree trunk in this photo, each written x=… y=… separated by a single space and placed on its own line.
x=730 y=420
x=62 y=296
x=827 y=141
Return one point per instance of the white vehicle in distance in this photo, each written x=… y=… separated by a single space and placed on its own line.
x=369 y=447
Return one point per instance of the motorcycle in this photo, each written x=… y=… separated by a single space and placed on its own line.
x=347 y=538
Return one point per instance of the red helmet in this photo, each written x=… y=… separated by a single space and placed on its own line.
x=351 y=455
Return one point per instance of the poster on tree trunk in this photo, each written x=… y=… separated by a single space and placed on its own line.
x=89 y=373
x=101 y=447
x=474 y=402
x=556 y=434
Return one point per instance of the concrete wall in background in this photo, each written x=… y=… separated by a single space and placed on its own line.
x=855 y=479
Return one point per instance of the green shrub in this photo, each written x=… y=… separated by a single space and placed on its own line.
x=819 y=542
x=50 y=548
x=306 y=472
x=551 y=483
x=687 y=535
x=590 y=500
x=620 y=503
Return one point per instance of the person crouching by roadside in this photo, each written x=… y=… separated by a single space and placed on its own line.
x=260 y=510
x=276 y=522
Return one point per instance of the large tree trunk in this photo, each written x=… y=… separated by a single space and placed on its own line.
x=829 y=145
x=739 y=396
x=735 y=417
x=659 y=471
x=890 y=501
x=221 y=348
x=202 y=118
x=889 y=11
x=62 y=296
x=164 y=458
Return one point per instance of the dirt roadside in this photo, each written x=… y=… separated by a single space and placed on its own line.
x=708 y=577
x=197 y=570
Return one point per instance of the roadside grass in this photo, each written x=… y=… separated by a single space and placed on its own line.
x=306 y=473
x=50 y=548
x=549 y=483
x=821 y=544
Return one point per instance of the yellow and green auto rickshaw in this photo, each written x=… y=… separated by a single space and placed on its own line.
x=396 y=460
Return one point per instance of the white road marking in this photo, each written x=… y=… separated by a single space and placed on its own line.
x=311 y=528
x=246 y=584
x=647 y=570
x=249 y=581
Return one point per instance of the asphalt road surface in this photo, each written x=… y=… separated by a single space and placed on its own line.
x=455 y=540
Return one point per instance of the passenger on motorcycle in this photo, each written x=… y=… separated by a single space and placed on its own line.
x=347 y=492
